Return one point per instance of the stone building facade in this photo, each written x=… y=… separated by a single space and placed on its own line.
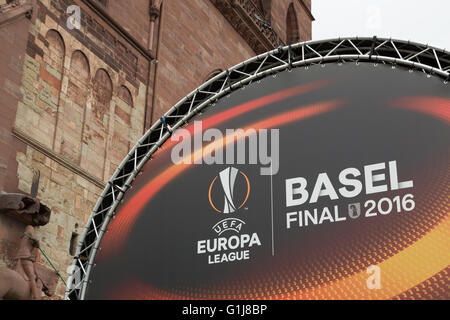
x=76 y=94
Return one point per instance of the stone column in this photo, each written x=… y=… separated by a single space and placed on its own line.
x=154 y=12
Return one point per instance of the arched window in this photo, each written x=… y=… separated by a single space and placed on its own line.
x=102 y=96
x=122 y=139
x=292 y=33
x=54 y=57
x=49 y=88
x=72 y=116
x=266 y=8
x=96 y=128
x=125 y=95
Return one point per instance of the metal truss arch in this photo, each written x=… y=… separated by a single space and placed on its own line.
x=410 y=55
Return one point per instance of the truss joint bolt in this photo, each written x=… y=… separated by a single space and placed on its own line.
x=166 y=125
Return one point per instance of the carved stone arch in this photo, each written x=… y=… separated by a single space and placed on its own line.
x=122 y=138
x=292 y=32
x=56 y=50
x=102 y=92
x=72 y=117
x=96 y=128
x=79 y=66
x=125 y=95
x=79 y=78
x=48 y=89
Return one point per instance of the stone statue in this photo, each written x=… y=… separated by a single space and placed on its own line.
x=25 y=259
x=24 y=281
x=24 y=208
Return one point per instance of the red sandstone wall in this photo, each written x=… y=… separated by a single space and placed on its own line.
x=195 y=40
x=13 y=39
x=132 y=16
x=279 y=12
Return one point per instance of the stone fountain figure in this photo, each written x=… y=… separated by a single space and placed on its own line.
x=25 y=279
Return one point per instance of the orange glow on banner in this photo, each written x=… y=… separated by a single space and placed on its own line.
x=434 y=106
x=398 y=274
x=250 y=106
x=120 y=227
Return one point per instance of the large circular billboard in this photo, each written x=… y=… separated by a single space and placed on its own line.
x=330 y=182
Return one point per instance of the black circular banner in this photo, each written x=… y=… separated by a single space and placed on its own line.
x=325 y=183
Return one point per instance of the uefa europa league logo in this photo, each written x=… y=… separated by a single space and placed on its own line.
x=228 y=179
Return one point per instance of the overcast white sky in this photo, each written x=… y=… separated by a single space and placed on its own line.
x=424 y=21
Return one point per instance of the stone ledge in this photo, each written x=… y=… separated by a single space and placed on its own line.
x=57 y=158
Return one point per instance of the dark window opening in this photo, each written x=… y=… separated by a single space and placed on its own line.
x=73 y=243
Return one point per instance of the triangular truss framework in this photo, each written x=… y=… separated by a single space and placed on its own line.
x=413 y=56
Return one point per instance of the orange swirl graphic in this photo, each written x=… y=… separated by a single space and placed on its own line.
x=404 y=271
x=251 y=106
x=120 y=227
x=438 y=107
x=399 y=273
